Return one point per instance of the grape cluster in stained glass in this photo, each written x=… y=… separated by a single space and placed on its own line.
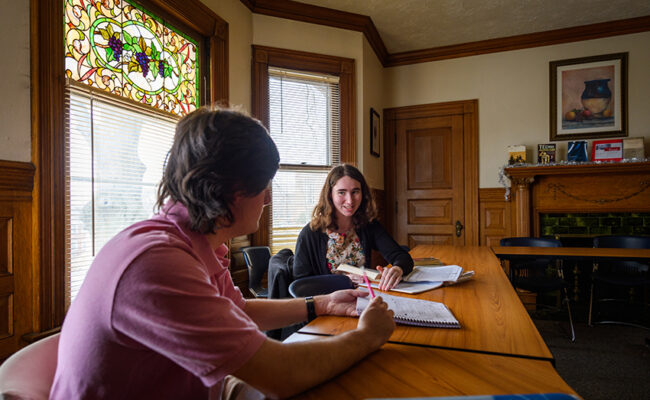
x=121 y=48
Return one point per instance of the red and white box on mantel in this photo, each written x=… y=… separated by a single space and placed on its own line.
x=607 y=150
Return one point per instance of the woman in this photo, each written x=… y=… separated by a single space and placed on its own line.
x=343 y=230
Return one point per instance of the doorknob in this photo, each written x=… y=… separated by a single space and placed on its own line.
x=459 y=228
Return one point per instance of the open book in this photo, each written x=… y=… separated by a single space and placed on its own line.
x=351 y=269
x=415 y=312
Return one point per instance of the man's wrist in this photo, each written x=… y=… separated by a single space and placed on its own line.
x=321 y=304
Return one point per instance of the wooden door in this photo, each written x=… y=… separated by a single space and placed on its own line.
x=432 y=173
x=429 y=184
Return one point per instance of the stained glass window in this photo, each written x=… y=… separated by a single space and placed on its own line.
x=117 y=46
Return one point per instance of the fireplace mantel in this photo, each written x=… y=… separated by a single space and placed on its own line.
x=586 y=188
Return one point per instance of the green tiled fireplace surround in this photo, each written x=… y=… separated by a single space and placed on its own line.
x=579 y=224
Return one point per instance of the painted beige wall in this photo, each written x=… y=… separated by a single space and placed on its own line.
x=513 y=93
x=240 y=37
x=15 y=118
x=373 y=97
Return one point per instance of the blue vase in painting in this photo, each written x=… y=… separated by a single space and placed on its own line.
x=596 y=96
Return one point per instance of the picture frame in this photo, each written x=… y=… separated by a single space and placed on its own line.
x=375 y=133
x=588 y=97
x=607 y=150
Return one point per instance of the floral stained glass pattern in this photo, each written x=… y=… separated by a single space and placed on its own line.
x=119 y=47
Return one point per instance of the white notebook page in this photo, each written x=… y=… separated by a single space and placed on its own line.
x=414 y=311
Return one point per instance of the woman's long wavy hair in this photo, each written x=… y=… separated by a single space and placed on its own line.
x=324 y=215
x=216 y=154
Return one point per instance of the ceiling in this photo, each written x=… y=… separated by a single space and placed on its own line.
x=409 y=25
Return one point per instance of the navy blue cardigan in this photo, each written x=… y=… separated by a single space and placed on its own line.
x=311 y=250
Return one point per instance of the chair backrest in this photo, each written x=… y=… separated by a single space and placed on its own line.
x=29 y=373
x=530 y=242
x=257 y=262
x=535 y=266
x=624 y=242
x=319 y=284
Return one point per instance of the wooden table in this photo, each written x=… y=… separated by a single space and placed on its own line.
x=493 y=319
x=595 y=253
x=398 y=370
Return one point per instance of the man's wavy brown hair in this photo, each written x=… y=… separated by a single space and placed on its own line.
x=217 y=153
x=324 y=216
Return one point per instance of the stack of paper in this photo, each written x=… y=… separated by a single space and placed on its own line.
x=424 y=278
x=447 y=273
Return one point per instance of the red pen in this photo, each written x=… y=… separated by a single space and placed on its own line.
x=365 y=278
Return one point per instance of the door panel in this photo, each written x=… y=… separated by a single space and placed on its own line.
x=428 y=147
x=429 y=183
x=429 y=212
x=414 y=240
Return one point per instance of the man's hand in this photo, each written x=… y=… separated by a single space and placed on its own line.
x=377 y=320
x=390 y=277
x=342 y=302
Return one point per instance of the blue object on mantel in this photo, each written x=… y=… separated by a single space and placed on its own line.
x=577 y=151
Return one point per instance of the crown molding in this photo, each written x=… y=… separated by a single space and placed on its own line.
x=322 y=16
x=538 y=39
x=339 y=19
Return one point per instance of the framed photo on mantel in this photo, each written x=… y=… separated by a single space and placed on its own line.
x=588 y=97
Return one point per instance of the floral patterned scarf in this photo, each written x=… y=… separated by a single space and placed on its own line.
x=344 y=248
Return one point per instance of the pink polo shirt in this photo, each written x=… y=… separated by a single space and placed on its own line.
x=157 y=317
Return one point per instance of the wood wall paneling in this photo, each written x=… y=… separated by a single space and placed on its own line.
x=495 y=216
x=16 y=267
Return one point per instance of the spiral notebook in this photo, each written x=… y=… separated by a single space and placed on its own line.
x=415 y=312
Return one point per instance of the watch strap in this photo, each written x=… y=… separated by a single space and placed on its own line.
x=311 y=308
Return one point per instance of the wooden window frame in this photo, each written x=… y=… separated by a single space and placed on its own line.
x=48 y=133
x=265 y=57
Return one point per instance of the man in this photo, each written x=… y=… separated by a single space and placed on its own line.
x=158 y=315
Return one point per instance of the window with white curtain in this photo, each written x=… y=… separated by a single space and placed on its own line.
x=115 y=153
x=304 y=122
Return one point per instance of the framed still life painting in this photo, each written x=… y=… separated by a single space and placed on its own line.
x=588 y=97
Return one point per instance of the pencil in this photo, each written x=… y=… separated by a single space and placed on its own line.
x=365 y=278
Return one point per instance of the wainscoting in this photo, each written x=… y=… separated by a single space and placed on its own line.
x=16 y=272
x=495 y=214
